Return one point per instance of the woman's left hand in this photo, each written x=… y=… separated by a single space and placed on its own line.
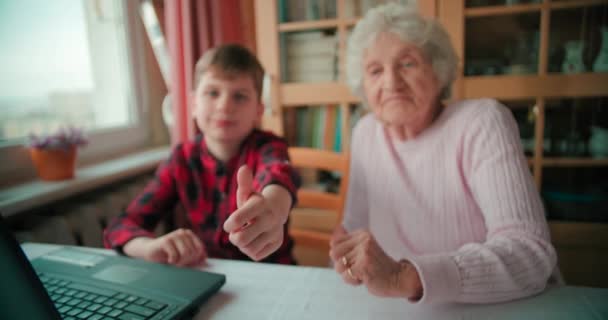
x=369 y=264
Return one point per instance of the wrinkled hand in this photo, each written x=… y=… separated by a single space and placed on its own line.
x=254 y=227
x=370 y=265
x=180 y=247
x=339 y=260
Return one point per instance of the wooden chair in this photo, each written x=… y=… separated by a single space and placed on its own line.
x=318 y=211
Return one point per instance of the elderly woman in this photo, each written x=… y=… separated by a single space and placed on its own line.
x=441 y=206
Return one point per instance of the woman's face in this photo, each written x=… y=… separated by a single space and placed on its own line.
x=399 y=83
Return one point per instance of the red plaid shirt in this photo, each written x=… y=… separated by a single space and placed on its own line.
x=206 y=188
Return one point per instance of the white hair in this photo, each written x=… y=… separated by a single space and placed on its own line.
x=405 y=22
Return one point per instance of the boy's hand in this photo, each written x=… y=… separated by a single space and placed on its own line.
x=255 y=228
x=180 y=247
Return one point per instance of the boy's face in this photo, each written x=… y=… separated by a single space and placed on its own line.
x=226 y=109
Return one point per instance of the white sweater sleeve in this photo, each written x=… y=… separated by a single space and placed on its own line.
x=356 y=206
x=517 y=257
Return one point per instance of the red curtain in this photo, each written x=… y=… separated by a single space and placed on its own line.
x=192 y=27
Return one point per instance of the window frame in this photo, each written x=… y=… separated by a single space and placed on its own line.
x=105 y=143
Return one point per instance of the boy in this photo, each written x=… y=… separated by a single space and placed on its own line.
x=234 y=181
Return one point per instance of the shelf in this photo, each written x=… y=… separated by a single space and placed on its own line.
x=351 y=21
x=502 y=10
x=308 y=25
x=575 y=162
x=297 y=94
x=575 y=4
x=527 y=8
x=531 y=86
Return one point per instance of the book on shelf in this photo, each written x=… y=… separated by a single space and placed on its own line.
x=314 y=10
x=301 y=10
x=322 y=64
x=290 y=122
x=337 y=147
x=308 y=35
x=306 y=126
x=318 y=119
x=309 y=57
x=283 y=11
x=322 y=47
x=304 y=70
x=296 y=10
x=303 y=127
x=309 y=126
x=311 y=77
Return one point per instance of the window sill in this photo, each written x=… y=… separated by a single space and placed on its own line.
x=30 y=195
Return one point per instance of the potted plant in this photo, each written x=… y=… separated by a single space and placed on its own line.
x=54 y=155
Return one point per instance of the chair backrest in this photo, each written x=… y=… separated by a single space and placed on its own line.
x=306 y=229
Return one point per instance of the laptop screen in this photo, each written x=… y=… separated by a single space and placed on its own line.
x=22 y=295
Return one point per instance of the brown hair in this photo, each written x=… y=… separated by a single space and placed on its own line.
x=231 y=60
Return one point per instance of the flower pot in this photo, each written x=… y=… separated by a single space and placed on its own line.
x=54 y=164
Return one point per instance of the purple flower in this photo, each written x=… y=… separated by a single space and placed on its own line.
x=64 y=138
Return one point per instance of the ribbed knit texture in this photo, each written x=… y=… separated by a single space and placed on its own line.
x=458 y=201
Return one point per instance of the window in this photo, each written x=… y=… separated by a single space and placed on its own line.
x=67 y=62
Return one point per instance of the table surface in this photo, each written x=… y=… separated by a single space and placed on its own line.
x=264 y=291
x=269 y=291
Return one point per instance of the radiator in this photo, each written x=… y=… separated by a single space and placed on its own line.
x=81 y=220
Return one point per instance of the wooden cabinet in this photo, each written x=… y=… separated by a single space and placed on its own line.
x=516 y=51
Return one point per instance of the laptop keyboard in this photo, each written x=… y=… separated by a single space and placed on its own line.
x=81 y=301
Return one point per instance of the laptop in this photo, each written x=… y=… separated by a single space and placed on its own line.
x=69 y=282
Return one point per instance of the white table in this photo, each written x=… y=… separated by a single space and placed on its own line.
x=265 y=291
x=268 y=291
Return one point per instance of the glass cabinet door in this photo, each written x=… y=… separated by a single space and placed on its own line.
x=578 y=38
x=572 y=127
x=575 y=165
x=502 y=44
x=501 y=37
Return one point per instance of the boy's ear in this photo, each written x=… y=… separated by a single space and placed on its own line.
x=259 y=114
x=260 y=111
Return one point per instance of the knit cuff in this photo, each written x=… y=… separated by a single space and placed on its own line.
x=439 y=276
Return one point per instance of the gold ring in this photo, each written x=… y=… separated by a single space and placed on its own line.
x=344 y=261
x=350 y=273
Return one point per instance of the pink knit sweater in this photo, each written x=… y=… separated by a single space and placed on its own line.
x=458 y=201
